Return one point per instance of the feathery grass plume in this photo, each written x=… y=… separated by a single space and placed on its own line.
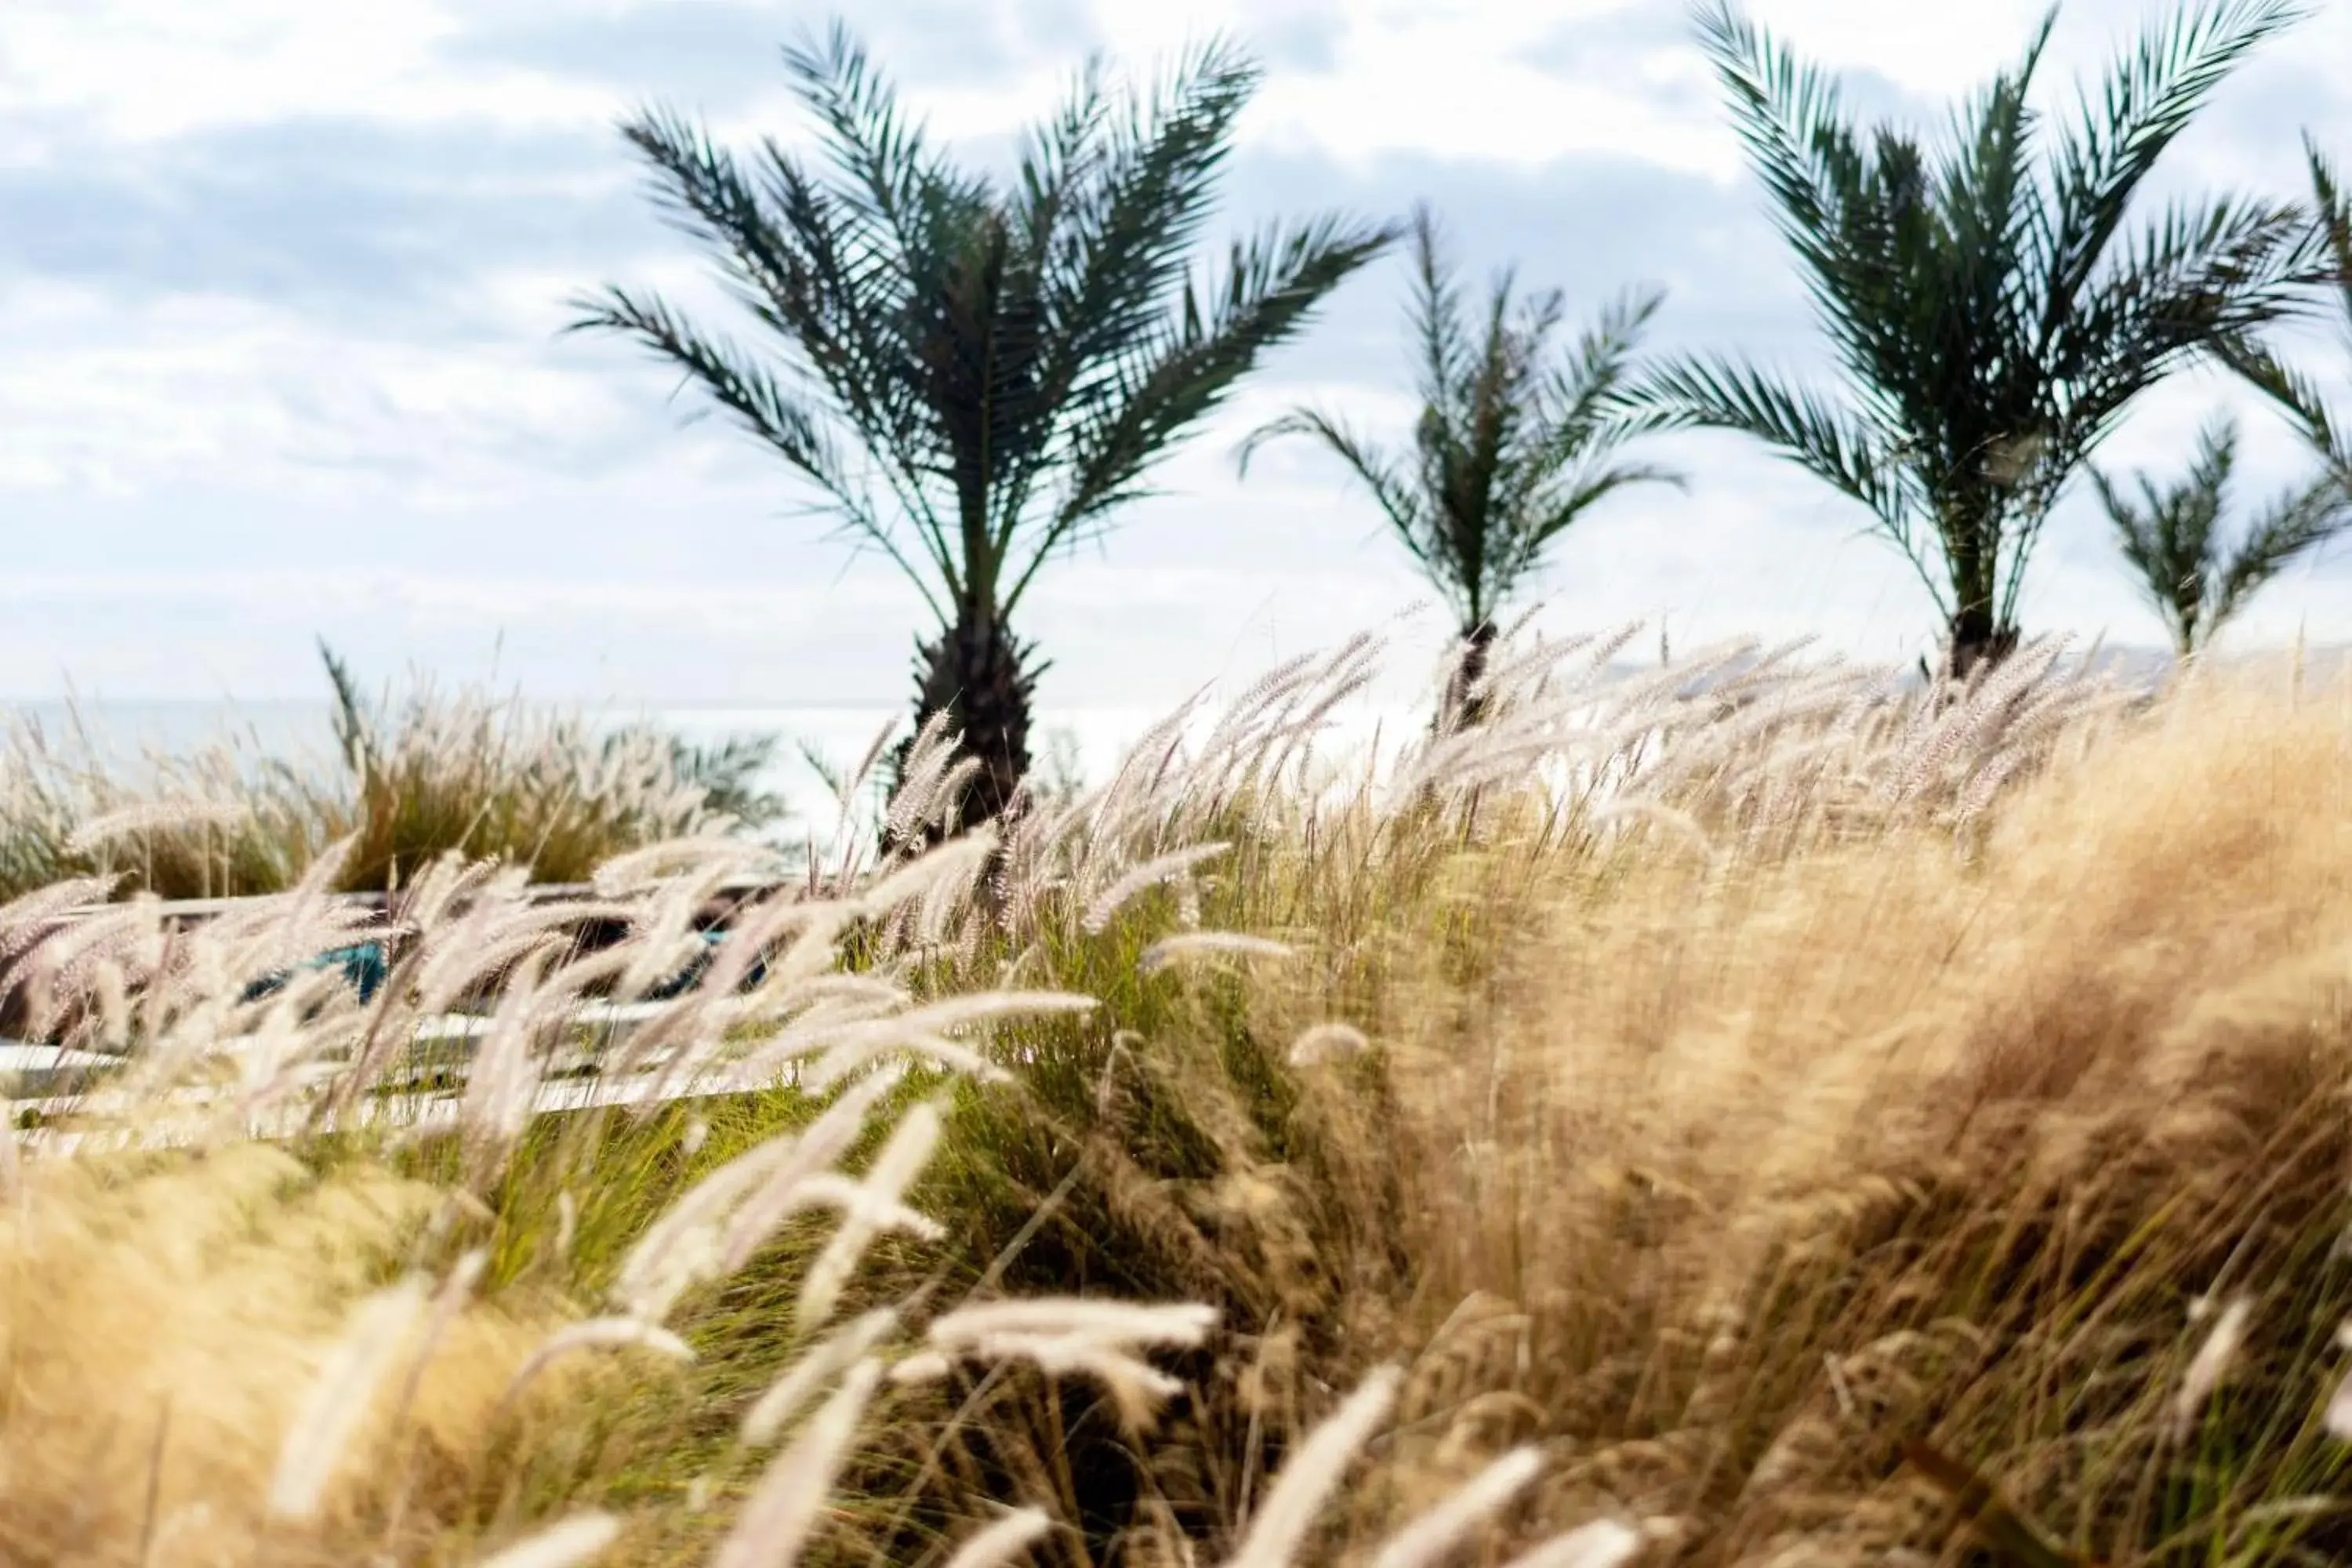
x=834 y=1189
x=506 y=1070
x=777 y=1197
x=340 y=1397
x=852 y=1043
x=811 y=1370
x=705 y=861
x=594 y=1333
x=931 y=780
x=695 y=1236
x=1003 y=1539
x=1181 y=1325
x=958 y=860
x=48 y=977
x=1312 y=1473
x=583 y=1537
x=1136 y=1387
x=112 y=991
x=1263 y=767
x=666 y=938
x=1189 y=944
x=2211 y=1366
x=1603 y=1543
x=853 y=1054
x=878 y=1204
x=1677 y=824
x=760 y=924
x=814 y=950
x=1150 y=873
x=1071 y=1335
x=784 y=1509
x=1323 y=1042
x=1439 y=1531
x=23 y=919
x=936 y=913
x=2338 y=1419
x=150 y=816
x=455 y=1291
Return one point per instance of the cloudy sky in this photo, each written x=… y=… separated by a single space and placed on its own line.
x=280 y=283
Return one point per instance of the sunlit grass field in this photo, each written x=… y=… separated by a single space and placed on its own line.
x=1746 y=1114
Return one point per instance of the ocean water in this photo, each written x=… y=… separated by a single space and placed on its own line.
x=1089 y=741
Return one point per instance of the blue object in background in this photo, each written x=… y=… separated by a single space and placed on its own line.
x=362 y=964
x=684 y=981
x=365 y=971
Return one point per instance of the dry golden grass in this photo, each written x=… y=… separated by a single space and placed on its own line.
x=1727 y=1172
x=162 y=1327
x=465 y=769
x=1767 y=1169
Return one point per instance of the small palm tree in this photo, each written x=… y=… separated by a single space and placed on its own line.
x=1512 y=447
x=2294 y=392
x=975 y=375
x=1993 y=310
x=2172 y=535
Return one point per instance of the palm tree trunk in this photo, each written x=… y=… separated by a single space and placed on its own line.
x=1977 y=641
x=981 y=677
x=1464 y=704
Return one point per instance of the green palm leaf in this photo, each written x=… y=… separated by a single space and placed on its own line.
x=1513 y=445
x=1995 y=301
x=970 y=377
x=2172 y=537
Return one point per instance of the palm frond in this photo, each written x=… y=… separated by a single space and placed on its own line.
x=2171 y=534
x=1062 y=155
x=1132 y=230
x=2335 y=218
x=2297 y=395
x=1581 y=395
x=1270 y=285
x=1790 y=115
x=1826 y=440
x=868 y=137
x=2150 y=95
x=2198 y=279
x=1374 y=468
x=1436 y=313
x=2290 y=527
x=1993 y=309
x=790 y=425
x=1591 y=488
x=791 y=266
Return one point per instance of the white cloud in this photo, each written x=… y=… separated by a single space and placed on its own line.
x=145 y=70
x=273 y=468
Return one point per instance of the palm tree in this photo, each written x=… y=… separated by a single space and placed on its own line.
x=1512 y=446
x=975 y=375
x=1993 y=312
x=2171 y=536
x=2294 y=392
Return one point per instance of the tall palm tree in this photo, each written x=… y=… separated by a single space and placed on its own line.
x=1994 y=303
x=974 y=375
x=1512 y=447
x=2171 y=536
